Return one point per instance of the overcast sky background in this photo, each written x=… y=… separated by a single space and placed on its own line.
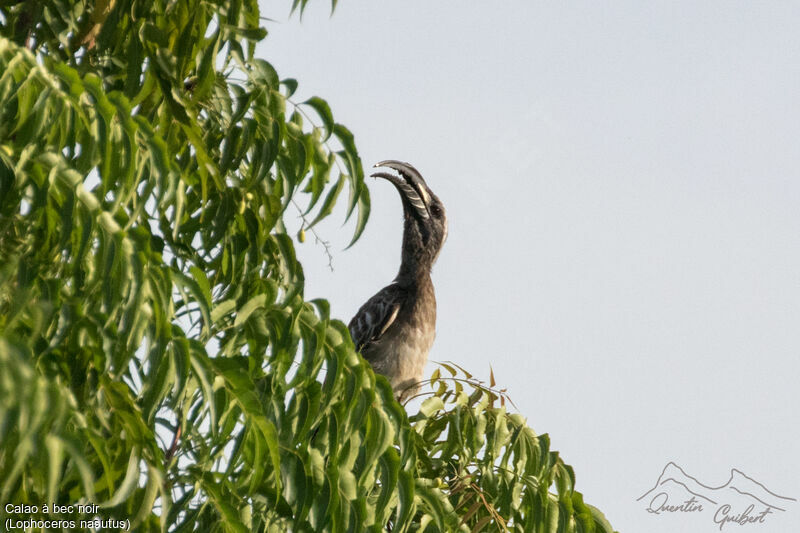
x=622 y=182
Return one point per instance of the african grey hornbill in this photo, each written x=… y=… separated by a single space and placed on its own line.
x=394 y=330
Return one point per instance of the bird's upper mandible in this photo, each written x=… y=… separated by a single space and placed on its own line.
x=394 y=330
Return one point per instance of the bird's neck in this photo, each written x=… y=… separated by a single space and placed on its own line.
x=417 y=257
x=414 y=274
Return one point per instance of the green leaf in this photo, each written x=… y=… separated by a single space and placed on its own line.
x=431 y=405
x=55 y=454
x=324 y=111
x=201 y=297
x=221 y=309
x=291 y=86
x=252 y=34
x=405 y=508
x=328 y=203
x=202 y=282
x=363 y=215
x=256 y=302
x=128 y=484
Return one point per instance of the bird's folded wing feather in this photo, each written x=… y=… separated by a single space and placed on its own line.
x=375 y=317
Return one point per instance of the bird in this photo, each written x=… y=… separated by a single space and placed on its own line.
x=394 y=330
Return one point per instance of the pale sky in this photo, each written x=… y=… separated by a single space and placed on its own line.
x=622 y=182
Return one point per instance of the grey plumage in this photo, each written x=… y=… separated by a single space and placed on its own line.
x=394 y=330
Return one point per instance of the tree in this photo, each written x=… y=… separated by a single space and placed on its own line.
x=158 y=357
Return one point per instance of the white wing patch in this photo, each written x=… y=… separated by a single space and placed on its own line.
x=390 y=320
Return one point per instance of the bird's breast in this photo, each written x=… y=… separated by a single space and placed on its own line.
x=402 y=351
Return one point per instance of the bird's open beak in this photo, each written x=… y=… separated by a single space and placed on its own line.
x=411 y=184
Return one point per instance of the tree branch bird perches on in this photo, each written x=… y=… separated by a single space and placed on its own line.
x=394 y=330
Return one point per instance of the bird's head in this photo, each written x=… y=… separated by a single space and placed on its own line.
x=425 y=218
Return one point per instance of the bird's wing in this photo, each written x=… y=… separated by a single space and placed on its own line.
x=375 y=316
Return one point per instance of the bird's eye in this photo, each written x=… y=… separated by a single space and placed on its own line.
x=436 y=211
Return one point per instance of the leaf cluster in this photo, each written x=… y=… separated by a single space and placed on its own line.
x=482 y=468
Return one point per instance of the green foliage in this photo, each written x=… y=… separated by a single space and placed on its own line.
x=480 y=467
x=158 y=357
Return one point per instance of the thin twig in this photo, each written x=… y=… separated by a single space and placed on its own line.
x=317 y=238
x=174 y=446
